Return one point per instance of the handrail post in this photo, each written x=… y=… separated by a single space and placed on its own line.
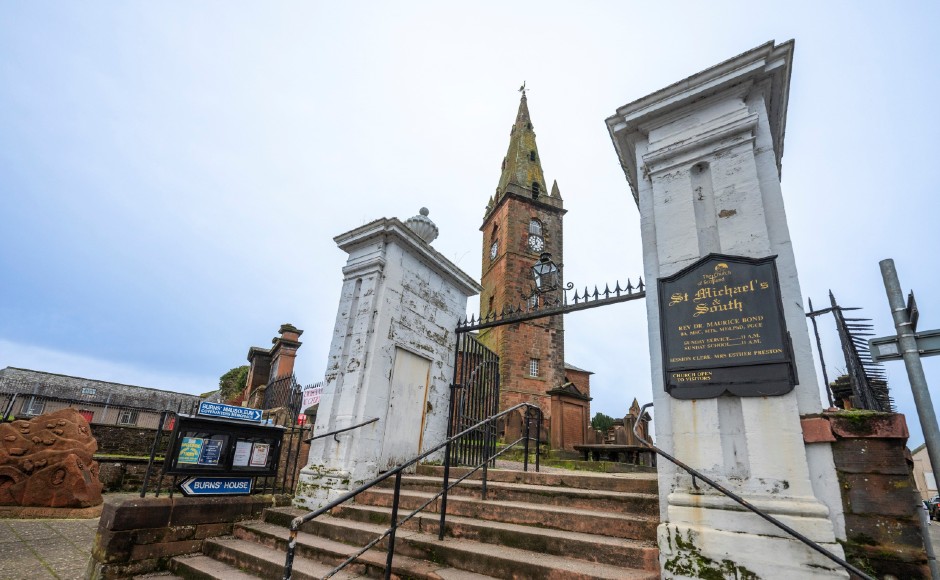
x=486 y=457
x=450 y=434
x=391 y=536
x=153 y=452
x=525 y=445
x=538 y=439
x=291 y=546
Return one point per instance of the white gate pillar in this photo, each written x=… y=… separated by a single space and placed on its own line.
x=391 y=357
x=703 y=161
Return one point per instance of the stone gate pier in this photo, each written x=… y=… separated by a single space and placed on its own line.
x=703 y=161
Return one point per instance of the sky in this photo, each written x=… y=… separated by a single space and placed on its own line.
x=172 y=174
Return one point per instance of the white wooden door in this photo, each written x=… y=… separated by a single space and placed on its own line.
x=404 y=426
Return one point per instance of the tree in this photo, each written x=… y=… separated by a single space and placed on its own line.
x=233 y=382
x=602 y=422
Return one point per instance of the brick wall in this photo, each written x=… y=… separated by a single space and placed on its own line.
x=137 y=536
x=878 y=494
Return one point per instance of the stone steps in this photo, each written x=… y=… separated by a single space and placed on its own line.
x=625 y=482
x=608 y=523
x=540 y=494
x=559 y=526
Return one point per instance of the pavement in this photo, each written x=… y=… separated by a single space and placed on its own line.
x=41 y=549
x=44 y=549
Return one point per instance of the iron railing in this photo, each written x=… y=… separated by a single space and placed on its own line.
x=727 y=492
x=335 y=432
x=396 y=472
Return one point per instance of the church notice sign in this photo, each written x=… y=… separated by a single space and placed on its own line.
x=723 y=329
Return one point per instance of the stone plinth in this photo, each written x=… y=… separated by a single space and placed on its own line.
x=703 y=160
x=391 y=358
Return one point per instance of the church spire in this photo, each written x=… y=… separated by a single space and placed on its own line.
x=522 y=166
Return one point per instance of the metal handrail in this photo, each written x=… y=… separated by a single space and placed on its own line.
x=299 y=521
x=697 y=474
x=336 y=431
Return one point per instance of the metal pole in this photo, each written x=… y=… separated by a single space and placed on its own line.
x=538 y=439
x=525 y=446
x=822 y=361
x=391 y=536
x=915 y=371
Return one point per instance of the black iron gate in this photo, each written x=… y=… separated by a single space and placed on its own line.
x=474 y=397
x=475 y=390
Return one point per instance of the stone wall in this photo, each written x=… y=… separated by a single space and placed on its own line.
x=138 y=536
x=882 y=508
x=127 y=441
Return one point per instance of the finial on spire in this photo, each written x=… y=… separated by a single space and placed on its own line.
x=522 y=89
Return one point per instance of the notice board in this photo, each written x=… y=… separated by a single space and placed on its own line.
x=723 y=330
x=201 y=445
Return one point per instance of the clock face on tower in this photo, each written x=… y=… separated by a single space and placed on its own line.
x=494 y=249
x=536 y=243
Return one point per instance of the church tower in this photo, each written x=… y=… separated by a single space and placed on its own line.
x=522 y=221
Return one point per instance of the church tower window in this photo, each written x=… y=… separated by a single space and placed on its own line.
x=531 y=155
x=533 y=367
x=535 y=190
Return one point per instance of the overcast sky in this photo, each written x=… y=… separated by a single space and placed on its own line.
x=172 y=173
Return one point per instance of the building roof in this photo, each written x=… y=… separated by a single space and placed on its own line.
x=27 y=381
x=571 y=367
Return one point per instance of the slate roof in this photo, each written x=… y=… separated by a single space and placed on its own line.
x=27 y=381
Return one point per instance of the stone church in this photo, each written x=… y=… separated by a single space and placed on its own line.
x=523 y=221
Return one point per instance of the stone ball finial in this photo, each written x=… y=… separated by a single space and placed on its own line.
x=423 y=226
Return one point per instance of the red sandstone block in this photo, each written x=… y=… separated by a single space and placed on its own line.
x=816 y=430
x=165 y=549
x=204 y=531
x=881 y=425
x=160 y=535
x=136 y=514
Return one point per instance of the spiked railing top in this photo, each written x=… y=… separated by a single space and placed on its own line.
x=554 y=303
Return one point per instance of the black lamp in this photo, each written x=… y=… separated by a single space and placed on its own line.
x=546 y=274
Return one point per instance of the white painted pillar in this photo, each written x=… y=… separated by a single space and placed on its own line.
x=703 y=161
x=391 y=357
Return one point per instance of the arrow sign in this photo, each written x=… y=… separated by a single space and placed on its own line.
x=223 y=411
x=203 y=485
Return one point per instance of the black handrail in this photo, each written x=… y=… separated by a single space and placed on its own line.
x=334 y=432
x=297 y=522
x=697 y=474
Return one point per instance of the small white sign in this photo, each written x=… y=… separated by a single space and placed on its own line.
x=310 y=397
x=242 y=454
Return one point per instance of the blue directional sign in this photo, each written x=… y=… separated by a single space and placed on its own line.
x=223 y=411
x=207 y=485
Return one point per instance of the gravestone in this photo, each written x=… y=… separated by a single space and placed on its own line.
x=732 y=369
x=391 y=356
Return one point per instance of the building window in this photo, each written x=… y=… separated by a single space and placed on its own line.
x=127 y=417
x=535 y=190
x=87 y=414
x=89 y=391
x=34 y=407
x=531 y=155
x=533 y=367
x=492 y=306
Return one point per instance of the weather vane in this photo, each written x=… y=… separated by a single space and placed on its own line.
x=522 y=89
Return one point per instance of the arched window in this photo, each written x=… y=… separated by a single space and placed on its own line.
x=535 y=227
x=531 y=155
x=535 y=190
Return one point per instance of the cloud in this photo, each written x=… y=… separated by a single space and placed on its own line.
x=53 y=361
